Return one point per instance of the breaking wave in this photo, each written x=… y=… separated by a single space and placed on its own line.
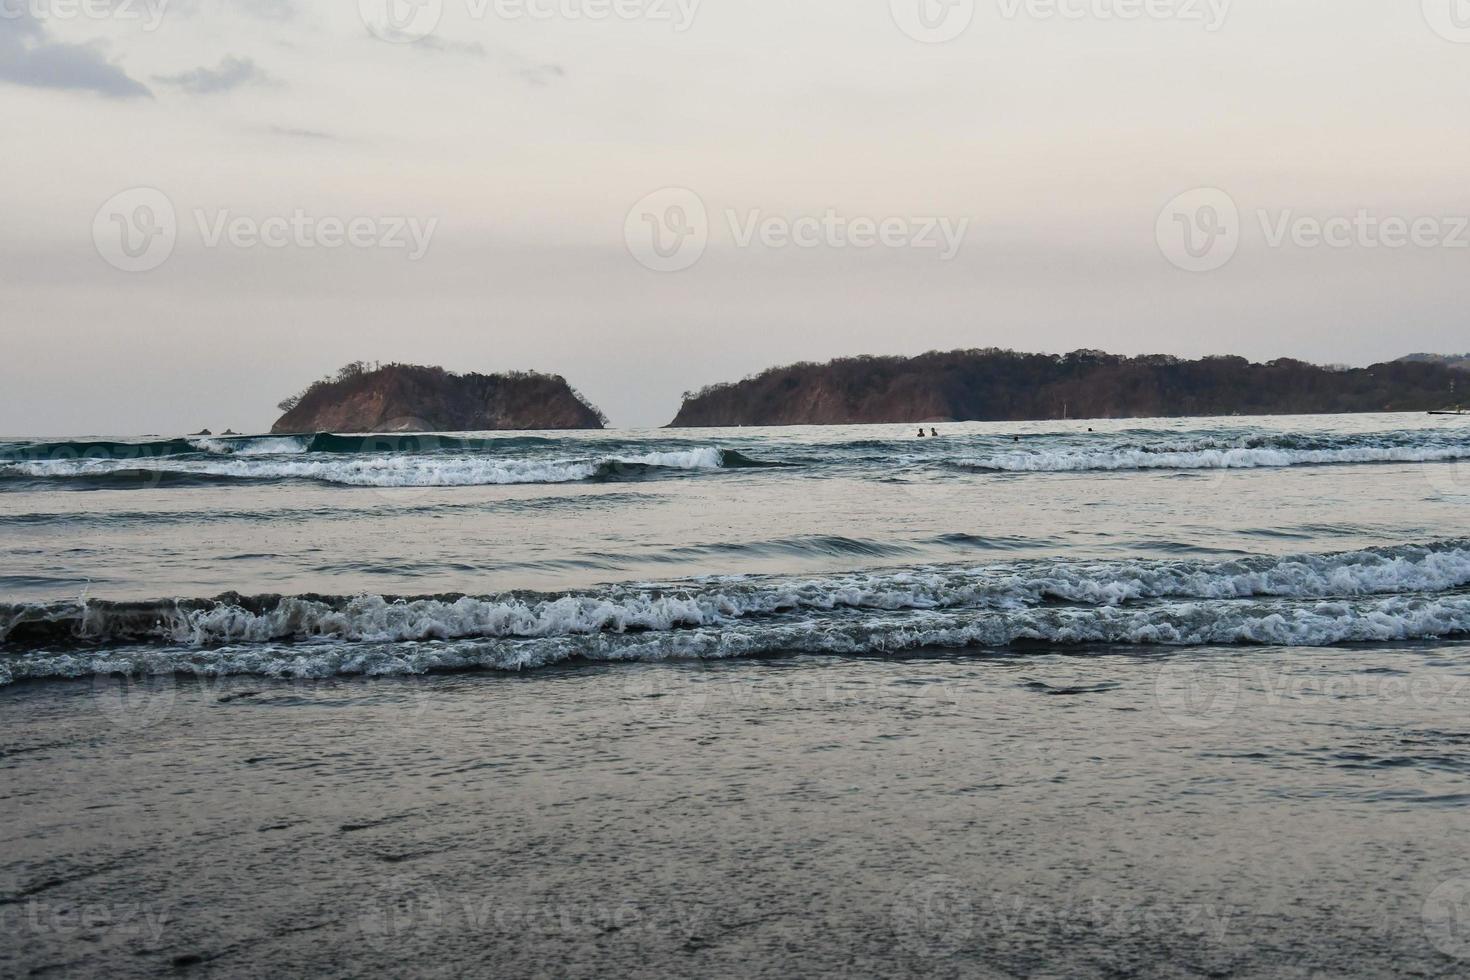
x=1404 y=593
x=1213 y=454
x=434 y=460
x=404 y=470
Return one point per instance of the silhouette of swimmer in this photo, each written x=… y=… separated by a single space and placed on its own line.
x=921 y=433
x=1015 y=438
x=934 y=433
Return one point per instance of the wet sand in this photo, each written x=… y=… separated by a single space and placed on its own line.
x=1217 y=812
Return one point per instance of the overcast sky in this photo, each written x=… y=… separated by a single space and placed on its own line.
x=854 y=176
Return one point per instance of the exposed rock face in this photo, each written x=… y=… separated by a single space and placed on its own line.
x=407 y=398
x=997 y=385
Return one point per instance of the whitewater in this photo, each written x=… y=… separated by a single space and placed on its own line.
x=516 y=551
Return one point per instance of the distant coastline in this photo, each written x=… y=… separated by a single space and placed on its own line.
x=989 y=385
x=994 y=385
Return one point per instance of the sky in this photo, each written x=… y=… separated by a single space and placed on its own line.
x=210 y=203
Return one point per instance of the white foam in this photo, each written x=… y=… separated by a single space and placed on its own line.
x=1067 y=460
x=1290 y=623
x=252 y=446
x=380 y=470
x=1018 y=588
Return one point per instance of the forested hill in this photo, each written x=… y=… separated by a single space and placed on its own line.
x=1003 y=385
x=410 y=398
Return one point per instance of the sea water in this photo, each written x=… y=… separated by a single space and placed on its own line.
x=1169 y=697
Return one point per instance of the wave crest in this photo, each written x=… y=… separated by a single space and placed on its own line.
x=1379 y=594
x=372 y=471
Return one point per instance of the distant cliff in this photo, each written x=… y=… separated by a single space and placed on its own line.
x=1002 y=385
x=408 y=398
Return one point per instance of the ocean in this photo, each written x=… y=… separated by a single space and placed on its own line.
x=1180 y=697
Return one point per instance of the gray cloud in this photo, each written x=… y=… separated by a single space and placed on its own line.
x=472 y=49
x=29 y=57
x=532 y=74
x=232 y=73
x=542 y=74
x=294 y=132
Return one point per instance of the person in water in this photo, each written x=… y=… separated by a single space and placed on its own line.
x=934 y=433
x=921 y=433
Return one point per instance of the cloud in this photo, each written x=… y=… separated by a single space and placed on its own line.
x=303 y=134
x=29 y=57
x=431 y=42
x=532 y=74
x=232 y=73
x=542 y=74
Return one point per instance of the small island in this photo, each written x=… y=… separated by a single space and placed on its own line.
x=994 y=385
x=412 y=398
